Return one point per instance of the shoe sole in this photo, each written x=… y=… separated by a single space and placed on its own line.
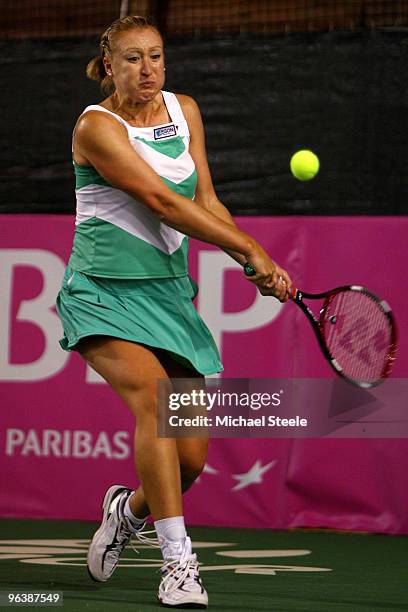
x=91 y=577
x=107 y=500
x=193 y=605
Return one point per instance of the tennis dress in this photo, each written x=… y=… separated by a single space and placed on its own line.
x=127 y=276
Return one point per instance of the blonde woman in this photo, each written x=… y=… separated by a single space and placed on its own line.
x=144 y=186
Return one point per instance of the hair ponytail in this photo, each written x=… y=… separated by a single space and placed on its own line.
x=95 y=71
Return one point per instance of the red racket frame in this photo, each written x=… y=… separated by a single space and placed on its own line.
x=328 y=296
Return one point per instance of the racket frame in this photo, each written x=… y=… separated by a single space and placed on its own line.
x=297 y=296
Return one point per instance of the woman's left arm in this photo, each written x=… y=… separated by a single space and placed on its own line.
x=205 y=192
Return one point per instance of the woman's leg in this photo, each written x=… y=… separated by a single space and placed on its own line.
x=132 y=370
x=118 y=361
x=192 y=452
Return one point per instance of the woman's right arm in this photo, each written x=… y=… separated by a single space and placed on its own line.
x=104 y=143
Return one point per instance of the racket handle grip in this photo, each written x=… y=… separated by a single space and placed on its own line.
x=293 y=293
x=249 y=270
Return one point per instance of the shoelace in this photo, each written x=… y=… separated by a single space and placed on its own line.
x=183 y=570
x=141 y=537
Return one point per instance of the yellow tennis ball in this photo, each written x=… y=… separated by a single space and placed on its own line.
x=304 y=165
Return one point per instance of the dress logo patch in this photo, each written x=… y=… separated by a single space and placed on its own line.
x=165 y=131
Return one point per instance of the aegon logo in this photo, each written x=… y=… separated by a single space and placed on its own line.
x=164 y=132
x=39 y=310
x=77 y=444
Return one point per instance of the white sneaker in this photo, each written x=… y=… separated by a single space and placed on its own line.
x=180 y=585
x=112 y=537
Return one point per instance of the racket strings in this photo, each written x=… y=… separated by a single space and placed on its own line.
x=358 y=334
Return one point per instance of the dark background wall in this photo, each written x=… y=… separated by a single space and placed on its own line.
x=341 y=94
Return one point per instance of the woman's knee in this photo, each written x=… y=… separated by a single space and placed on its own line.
x=131 y=369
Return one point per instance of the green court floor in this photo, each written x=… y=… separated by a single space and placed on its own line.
x=242 y=569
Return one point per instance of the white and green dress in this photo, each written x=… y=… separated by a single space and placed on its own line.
x=127 y=276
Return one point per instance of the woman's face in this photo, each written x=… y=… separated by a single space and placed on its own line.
x=137 y=64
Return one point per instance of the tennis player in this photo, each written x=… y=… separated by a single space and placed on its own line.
x=143 y=186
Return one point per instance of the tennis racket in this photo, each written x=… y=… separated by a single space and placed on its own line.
x=356 y=331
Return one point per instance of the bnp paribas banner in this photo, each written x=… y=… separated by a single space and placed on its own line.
x=301 y=449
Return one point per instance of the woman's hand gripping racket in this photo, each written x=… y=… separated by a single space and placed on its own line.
x=356 y=331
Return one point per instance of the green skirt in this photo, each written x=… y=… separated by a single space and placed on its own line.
x=154 y=312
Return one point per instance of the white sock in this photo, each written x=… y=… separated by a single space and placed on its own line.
x=134 y=521
x=172 y=536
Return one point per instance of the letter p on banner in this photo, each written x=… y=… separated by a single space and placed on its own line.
x=212 y=265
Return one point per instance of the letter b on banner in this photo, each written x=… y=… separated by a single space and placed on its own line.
x=37 y=311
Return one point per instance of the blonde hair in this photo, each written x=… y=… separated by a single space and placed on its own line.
x=95 y=69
